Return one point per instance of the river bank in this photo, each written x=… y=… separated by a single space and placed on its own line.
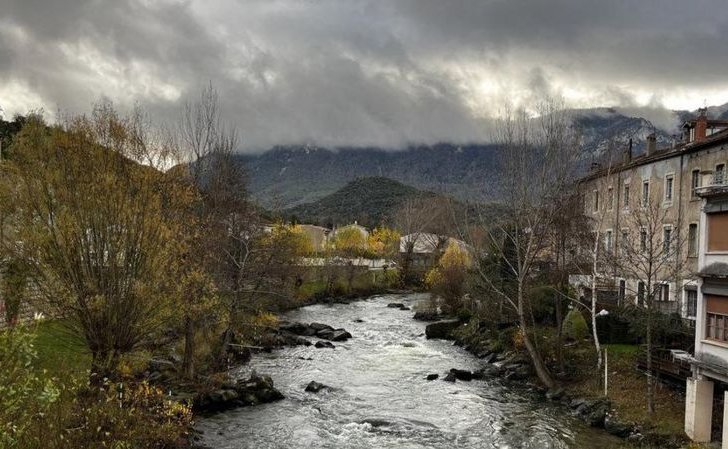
x=580 y=396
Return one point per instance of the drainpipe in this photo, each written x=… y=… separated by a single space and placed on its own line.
x=678 y=256
x=618 y=230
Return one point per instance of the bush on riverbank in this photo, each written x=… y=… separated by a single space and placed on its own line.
x=362 y=284
x=58 y=409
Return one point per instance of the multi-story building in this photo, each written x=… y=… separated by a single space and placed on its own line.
x=710 y=361
x=671 y=178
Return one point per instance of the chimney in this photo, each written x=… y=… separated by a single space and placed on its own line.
x=701 y=125
x=628 y=152
x=651 y=144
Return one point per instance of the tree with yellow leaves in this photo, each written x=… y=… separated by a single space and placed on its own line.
x=349 y=241
x=98 y=226
x=447 y=279
x=384 y=242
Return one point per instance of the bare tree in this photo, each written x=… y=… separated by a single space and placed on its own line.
x=538 y=167
x=224 y=217
x=423 y=222
x=650 y=254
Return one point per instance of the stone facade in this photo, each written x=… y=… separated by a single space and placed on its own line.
x=667 y=177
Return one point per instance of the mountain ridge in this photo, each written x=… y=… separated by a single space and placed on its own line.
x=370 y=201
x=289 y=175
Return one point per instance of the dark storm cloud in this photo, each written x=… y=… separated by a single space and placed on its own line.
x=351 y=72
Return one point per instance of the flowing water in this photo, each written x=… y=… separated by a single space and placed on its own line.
x=380 y=398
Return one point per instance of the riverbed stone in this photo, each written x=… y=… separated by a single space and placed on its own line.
x=594 y=412
x=450 y=377
x=315 y=387
x=320 y=327
x=441 y=329
x=324 y=344
x=462 y=374
x=554 y=394
x=432 y=376
x=613 y=426
x=297 y=328
x=252 y=391
x=426 y=315
x=334 y=334
x=396 y=305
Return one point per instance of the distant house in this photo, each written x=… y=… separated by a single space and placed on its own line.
x=710 y=361
x=422 y=250
x=318 y=235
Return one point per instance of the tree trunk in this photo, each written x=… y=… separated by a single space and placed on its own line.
x=559 y=335
x=188 y=365
x=103 y=366
x=650 y=379
x=541 y=371
x=597 y=345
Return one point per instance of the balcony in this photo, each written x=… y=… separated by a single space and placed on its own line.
x=713 y=183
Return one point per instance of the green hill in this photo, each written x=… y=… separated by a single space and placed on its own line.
x=370 y=201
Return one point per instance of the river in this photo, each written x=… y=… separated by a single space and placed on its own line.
x=380 y=398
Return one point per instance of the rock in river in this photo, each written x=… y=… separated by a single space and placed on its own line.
x=324 y=344
x=397 y=305
x=432 y=376
x=461 y=374
x=334 y=334
x=441 y=329
x=253 y=391
x=315 y=387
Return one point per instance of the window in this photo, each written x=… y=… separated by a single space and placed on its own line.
x=643 y=240
x=664 y=293
x=624 y=241
x=608 y=241
x=719 y=174
x=645 y=193
x=716 y=327
x=610 y=198
x=717 y=232
x=693 y=239
x=626 y=195
x=694 y=183
x=667 y=240
x=668 y=187
x=692 y=302
x=716 y=319
x=640 y=293
x=622 y=290
x=596 y=201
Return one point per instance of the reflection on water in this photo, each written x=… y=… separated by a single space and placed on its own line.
x=380 y=398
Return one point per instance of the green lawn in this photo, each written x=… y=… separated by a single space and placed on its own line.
x=627 y=391
x=59 y=351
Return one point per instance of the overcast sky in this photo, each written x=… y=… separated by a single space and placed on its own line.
x=348 y=72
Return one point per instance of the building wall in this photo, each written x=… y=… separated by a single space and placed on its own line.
x=683 y=210
x=706 y=350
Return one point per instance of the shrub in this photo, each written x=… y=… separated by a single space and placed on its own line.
x=447 y=279
x=24 y=393
x=13 y=287
x=574 y=326
x=543 y=301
